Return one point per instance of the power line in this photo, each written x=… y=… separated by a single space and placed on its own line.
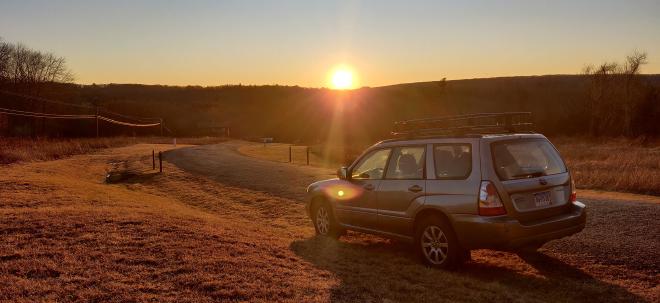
x=126 y=123
x=142 y=119
x=11 y=112
x=46 y=114
x=14 y=112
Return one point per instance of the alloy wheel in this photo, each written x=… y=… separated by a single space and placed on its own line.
x=322 y=220
x=434 y=244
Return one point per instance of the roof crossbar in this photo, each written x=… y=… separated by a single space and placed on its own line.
x=478 y=123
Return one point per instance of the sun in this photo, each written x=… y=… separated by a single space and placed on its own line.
x=342 y=78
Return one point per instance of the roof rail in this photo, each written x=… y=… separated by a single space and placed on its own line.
x=478 y=123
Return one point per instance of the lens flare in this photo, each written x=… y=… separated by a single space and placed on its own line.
x=343 y=191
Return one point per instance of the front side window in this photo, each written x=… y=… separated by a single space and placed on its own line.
x=406 y=163
x=527 y=158
x=452 y=161
x=372 y=165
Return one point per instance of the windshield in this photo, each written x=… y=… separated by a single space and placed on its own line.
x=529 y=158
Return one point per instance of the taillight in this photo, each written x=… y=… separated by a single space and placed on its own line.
x=490 y=203
x=573 y=197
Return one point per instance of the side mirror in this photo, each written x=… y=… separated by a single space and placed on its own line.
x=342 y=173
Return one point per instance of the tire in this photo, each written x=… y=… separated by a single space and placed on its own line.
x=436 y=244
x=325 y=224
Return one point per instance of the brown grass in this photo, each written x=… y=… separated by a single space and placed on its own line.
x=177 y=237
x=613 y=164
x=619 y=164
x=279 y=152
x=42 y=149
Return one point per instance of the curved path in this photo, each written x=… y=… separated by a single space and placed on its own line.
x=223 y=163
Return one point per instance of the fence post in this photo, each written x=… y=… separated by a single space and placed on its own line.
x=153 y=159
x=290 y=154
x=307 y=151
x=97 y=121
x=160 y=161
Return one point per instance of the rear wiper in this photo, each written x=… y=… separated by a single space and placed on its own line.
x=530 y=175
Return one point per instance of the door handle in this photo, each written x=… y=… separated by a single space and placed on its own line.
x=369 y=186
x=415 y=188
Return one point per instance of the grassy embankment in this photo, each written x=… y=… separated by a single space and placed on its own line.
x=618 y=164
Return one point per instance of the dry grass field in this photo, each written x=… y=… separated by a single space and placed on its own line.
x=621 y=165
x=178 y=237
x=42 y=149
x=279 y=152
x=615 y=164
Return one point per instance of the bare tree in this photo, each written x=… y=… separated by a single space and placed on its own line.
x=615 y=93
x=633 y=93
x=29 y=70
x=5 y=55
x=22 y=65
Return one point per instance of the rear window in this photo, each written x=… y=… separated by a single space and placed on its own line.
x=519 y=159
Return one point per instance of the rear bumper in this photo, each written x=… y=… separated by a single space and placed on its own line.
x=507 y=233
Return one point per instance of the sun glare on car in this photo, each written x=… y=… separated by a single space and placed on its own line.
x=342 y=78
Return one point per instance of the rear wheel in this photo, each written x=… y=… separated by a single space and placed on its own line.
x=436 y=243
x=324 y=221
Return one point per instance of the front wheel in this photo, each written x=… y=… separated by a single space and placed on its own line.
x=436 y=243
x=324 y=221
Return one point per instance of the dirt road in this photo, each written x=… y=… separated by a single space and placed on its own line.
x=223 y=163
x=621 y=243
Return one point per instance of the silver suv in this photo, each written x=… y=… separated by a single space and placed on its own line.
x=449 y=191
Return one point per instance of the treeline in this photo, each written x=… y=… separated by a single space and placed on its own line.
x=612 y=99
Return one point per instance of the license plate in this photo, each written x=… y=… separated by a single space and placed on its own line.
x=542 y=199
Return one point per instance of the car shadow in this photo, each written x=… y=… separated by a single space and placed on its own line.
x=372 y=269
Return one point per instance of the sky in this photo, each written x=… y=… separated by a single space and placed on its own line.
x=283 y=42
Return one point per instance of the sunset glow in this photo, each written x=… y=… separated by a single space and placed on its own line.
x=342 y=78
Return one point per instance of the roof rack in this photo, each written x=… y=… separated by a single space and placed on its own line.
x=479 y=123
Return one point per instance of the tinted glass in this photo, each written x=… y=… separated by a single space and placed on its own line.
x=526 y=159
x=452 y=161
x=406 y=163
x=372 y=165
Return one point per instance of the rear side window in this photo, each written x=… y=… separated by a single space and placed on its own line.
x=452 y=161
x=530 y=158
x=406 y=163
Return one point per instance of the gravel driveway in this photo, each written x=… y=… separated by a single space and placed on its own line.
x=621 y=241
x=225 y=164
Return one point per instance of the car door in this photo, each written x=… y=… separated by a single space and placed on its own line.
x=402 y=189
x=361 y=210
x=454 y=176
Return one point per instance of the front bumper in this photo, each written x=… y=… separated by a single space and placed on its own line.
x=503 y=232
